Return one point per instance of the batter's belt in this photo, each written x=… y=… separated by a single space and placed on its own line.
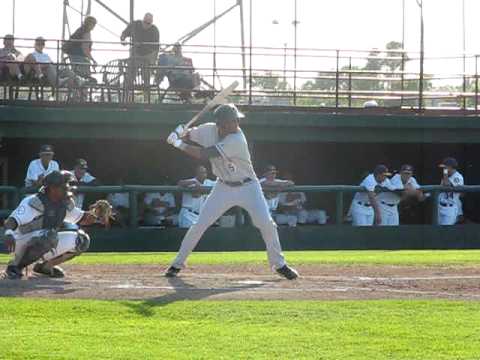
x=237 y=183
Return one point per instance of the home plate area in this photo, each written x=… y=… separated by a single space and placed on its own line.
x=256 y=282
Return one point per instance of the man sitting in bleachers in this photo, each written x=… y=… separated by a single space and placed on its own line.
x=10 y=60
x=180 y=72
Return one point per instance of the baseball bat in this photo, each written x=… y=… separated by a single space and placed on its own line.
x=220 y=98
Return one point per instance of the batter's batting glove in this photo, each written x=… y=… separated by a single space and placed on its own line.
x=180 y=129
x=175 y=141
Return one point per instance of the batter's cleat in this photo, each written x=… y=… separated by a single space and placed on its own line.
x=288 y=272
x=53 y=272
x=172 y=272
x=12 y=273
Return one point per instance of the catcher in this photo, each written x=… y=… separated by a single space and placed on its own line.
x=34 y=229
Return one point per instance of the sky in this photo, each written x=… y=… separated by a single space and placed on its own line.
x=323 y=24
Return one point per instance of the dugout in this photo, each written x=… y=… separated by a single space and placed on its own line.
x=318 y=148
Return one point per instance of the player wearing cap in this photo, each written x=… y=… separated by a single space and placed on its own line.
x=39 y=168
x=192 y=202
x=365 y=207
x=81 y=177
x=389 y=200
x=449 y=203
x=224 y=144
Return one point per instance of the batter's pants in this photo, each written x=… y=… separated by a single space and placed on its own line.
x=248 y=196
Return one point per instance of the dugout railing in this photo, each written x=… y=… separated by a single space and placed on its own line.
x=15 y=194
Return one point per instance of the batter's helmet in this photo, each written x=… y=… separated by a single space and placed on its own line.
x=227 y=112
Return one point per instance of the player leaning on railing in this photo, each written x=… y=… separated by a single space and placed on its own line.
x=225 y=146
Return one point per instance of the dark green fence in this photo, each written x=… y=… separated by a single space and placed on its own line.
x=15 y=194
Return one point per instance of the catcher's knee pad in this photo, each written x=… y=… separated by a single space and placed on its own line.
x=82 y=242
x=37 y=247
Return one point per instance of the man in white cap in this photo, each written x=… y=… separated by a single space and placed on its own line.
x=449 y=203
x=39 y=168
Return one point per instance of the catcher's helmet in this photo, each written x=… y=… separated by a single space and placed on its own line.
x=227 y=112
x=58 y=178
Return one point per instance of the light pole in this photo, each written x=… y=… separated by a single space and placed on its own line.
x=422 y=54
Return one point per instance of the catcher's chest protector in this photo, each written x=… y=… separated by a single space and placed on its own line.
x=54 y=213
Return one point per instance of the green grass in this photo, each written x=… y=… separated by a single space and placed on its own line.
x=411 y=257
x=80 y=329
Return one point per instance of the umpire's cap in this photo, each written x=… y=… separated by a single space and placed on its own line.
x=227 y=112
x=449 y=162
x=58 y=178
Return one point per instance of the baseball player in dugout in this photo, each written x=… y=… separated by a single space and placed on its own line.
x=449 y=203
x=192 y=202
x=41 y=167
x=225 y=146
x=407 y=189
x=365 y=209
x=33 y=230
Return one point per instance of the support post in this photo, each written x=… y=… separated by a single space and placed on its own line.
x=339 y=208
x=133 y=197
x=435 y=195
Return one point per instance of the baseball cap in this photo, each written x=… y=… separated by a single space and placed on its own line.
x=9 y=36
x=227 y=112
x=381 y=170
x=46 y=149
x=40 y=39
x=81 y=163
x=407 y=168
x=449 y=162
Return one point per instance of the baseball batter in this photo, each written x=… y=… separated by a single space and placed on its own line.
x=225 y=146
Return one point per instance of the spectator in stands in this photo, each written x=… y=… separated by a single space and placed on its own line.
x=192 y=202
x=121 y=205
x=79 y=49
x=40 y=66
x=81 y=177
x=10 y=59
x=292 y=210
x=270 y=181
x=39 y=168
x=145 y=38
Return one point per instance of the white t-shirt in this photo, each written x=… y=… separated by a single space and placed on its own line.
x=119 y=199
x=195 y=203
x=41 y=58
x=35 y=169
x=25 y=214
x=167 y=197
x=452 y=198
x=370 y=183
x=80 y=197
x=397 y=184
x=235 y=163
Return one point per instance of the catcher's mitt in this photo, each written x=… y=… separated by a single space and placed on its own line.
x=103 y=211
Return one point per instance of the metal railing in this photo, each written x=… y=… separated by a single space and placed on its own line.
x=331 y=78
x=135 y=190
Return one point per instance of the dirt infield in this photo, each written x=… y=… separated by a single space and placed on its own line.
x=252 y=282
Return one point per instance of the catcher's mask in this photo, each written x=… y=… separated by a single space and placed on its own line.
x=58 y=179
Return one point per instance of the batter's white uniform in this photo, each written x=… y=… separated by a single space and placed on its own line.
x=35 y=169
x=234 y=165
x=191 y=206
x=449 y=203
x=80 y=197
x=388 y=201
x=362 y=211
x=24 y=214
